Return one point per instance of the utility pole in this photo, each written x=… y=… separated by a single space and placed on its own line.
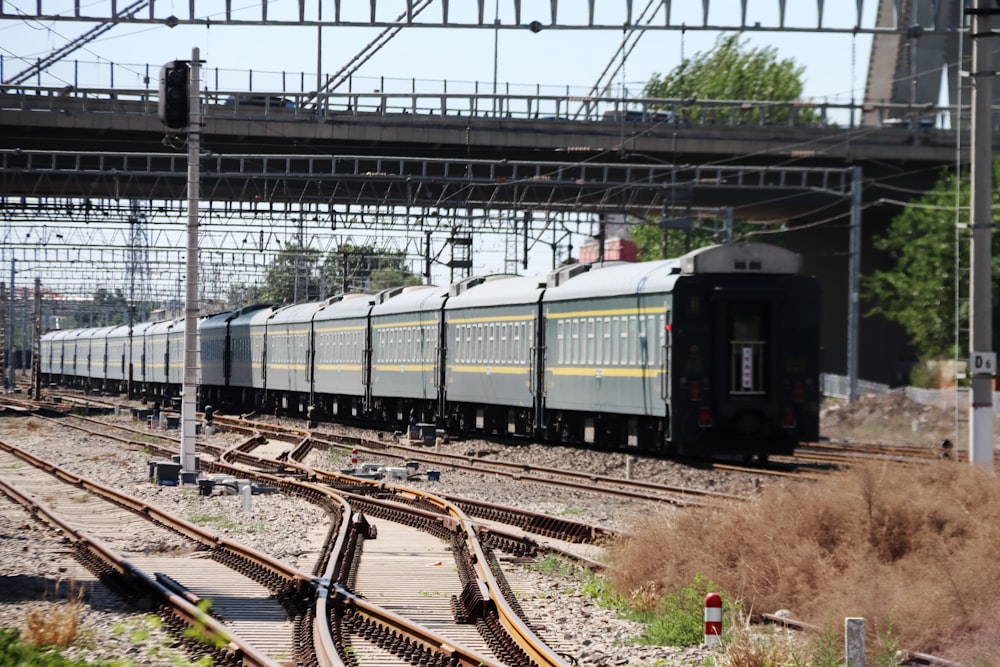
x=189 y=472
x=982 y=365
x=36 y=346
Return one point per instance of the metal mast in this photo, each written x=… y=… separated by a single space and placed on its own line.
x=983 y=362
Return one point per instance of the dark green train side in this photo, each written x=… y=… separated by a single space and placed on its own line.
x=716 y=352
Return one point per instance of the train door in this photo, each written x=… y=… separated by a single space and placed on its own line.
x=748 y=345
x=747 y=330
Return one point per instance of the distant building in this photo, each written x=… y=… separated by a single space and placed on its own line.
x=615 y=249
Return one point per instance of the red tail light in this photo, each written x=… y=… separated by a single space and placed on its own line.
x=704 y=417
x=695 y=391
x=798 y=392
x=788 y=420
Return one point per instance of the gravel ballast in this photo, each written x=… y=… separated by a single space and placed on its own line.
x=291 y=530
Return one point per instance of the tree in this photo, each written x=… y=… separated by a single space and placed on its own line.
x=106 y=308
x=302 y=274
x=365 y=269
x=648 y=236
x=732 y=72
x=292 y=277
x=241 y=294
x=917 y=290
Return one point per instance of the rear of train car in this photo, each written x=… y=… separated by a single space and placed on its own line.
x=714 y=352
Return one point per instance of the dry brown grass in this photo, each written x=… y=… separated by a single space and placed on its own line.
x=913 y=550
x=56 y=624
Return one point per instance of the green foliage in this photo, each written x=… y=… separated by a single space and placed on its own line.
x=731 y=71
x=921 y=376
x=365 y=269
x=15 y=653
x=199 y=631
x=600 y=589
x=291 y=278
x=298 y=275
x=679 y=619
x=239 y=295
x=916 y=289
x=554 y=565
x=888 y=649
x=648 y=236
x=826 y=649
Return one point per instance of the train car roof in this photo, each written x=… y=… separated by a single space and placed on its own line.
x=140 y=328
x=252 y=316
x=120 y=331
x=622 y=278
x=753 y=258
x=216 y=321
x=415 y=298
x=499 y=290
x=57 y=334
x=162 y=326
x=344 y=306
x=616 y=280
x=294 y=313
x=96 y=332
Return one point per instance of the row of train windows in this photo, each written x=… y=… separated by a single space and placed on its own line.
x=492 y=343
x=285 y=349
x=611 y=341
x=404 y=344
x=339 y=346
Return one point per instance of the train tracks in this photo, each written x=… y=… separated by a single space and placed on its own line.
x=110 y=534
x=477 y=598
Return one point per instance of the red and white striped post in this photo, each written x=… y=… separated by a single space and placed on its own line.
x=713 y=619
x=354 y=457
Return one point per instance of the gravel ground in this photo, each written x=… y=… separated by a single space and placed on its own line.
x=281 y=527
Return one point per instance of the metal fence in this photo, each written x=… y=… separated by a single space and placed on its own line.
x=838 y=386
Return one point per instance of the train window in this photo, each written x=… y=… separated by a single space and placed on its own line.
x=605 y=357
x=615 y=335
x=633 y=337
x=560 y=343
x=490 y=354
x=574 y=341
x=591 y=344
x=504 y=350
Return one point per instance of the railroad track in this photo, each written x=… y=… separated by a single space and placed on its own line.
x=583 y=481
x=492 y=616
x=344 y=600
x=111 y=534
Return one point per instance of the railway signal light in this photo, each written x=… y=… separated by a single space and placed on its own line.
x=174 y=102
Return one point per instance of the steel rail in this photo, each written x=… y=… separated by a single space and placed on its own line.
x=182 y=608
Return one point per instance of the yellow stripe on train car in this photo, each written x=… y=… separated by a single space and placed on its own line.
x=403 y=368
x=487 y=369
x=599 y=372
x=496 y=318
x=338 y=367
x=655 y=310
x=413 y=323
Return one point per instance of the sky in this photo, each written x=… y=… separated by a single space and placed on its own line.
x=276 y=58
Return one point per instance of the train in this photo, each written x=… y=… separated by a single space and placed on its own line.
x=712 y=353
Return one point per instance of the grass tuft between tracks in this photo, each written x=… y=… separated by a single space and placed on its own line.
x=56 y=626
x=911 y=549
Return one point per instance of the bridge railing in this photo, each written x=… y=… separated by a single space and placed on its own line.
x=486 y=105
